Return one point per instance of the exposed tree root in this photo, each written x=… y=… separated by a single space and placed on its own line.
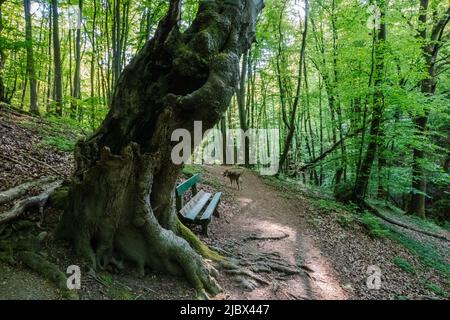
x=247 y=266
x=24 y=247
x=21 y=206
x=196 y=244
x=16 y=192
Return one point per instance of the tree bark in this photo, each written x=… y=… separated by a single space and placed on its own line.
x=30 y=58
x=3 y=96
x=76 y=94
x=121 y=199
x=58 y=86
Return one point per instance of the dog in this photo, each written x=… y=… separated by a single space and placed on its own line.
x=233 y=176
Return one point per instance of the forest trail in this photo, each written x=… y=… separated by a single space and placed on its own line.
x=264 y=212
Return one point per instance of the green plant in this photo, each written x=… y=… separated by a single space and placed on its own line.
x=59 y=142
x=191 y=169
x=346 y=219
x=374 y=226
x=427 y=254
x=404 y=265
x=437 y=290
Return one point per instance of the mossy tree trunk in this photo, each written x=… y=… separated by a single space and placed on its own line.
x=121 y=200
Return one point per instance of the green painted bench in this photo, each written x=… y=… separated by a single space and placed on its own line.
x=200 y=208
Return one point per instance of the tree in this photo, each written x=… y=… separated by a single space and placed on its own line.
x=30 y=58
x=58 y=86
x=363 y=175
x=430 y=50
x=122 y=192
x=76 y=94
x=293 y=114
x=2 y=59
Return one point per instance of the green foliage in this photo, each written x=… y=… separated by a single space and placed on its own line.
x=346 y=219
x=404 y=265
x=58 y=142
x=438 y=290
x=374 y=226
x=427 y=254
x=190 y=169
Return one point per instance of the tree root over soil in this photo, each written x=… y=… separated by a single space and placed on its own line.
x=23 y=246
x=21 y=240
x=21 y=206
x=252 y=269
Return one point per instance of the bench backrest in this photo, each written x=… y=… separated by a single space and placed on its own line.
x=186 y=185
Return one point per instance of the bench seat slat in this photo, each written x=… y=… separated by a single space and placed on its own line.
x=195 y=205
x=211 y=207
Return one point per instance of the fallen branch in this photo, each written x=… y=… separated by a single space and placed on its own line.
x=18 y=191
x=37 y=201
x=11 y=159
x=254 y=237
x=377 y=212
x=44 y=164
x=313 y=162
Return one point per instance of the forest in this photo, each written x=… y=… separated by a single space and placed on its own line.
x=357 y=92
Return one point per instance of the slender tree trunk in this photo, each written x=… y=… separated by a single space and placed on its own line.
x=49 y=61
x=92 y=71
x=291 y=130
x=241 y=101
x=58 y=85
x=3 y=96
x=122 y=192
x=76 y=93
x=116 y=35
x=363 y=177
x=30 y=58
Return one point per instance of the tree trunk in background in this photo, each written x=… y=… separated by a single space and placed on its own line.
x=92 y=67
x=46 y=99
x=241 y=101
x=30 y=58
x=2 y=60
x=58 y=86
x=122 y=192
x=116 y=35
x=363 y=177
x=291 y=131
x=430 y=50
x=76 y=94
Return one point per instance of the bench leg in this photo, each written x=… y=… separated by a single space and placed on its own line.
x=216 y=213
x=205 y=227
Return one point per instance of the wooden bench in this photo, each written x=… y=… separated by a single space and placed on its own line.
x=202 y=206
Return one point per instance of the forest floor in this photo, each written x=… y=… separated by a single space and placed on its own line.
x=292 y=242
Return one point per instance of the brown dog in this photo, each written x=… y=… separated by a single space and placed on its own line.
x=233 y=176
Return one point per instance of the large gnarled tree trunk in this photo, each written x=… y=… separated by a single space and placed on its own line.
x=121 y=198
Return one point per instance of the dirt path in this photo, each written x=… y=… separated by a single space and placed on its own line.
x=263 y=212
